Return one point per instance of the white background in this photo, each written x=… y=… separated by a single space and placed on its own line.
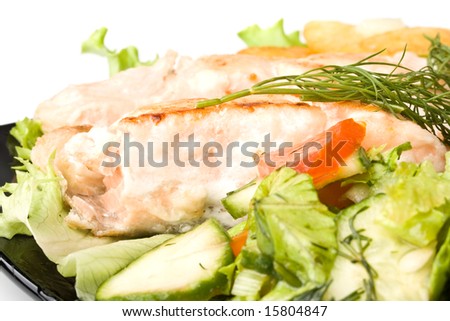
x=40 y=40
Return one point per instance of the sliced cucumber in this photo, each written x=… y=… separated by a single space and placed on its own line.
x=248 y=284
x=237 y=203
x=183 y=268
x=237 y=229
x=356 y=163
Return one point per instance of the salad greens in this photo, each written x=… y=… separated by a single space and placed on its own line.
x=295 y=238
x=13 y=222
x=118 y=60
x=440 y=272
x=34 y=205
x=389 y=242
x=26 y=132
x=255 y=36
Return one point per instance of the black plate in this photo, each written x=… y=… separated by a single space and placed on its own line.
x=22 y=257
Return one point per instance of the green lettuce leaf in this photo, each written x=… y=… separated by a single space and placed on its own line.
x=12 y=221
x=393 y=244
x=25 y=132
x=118 y=60
x=291 y=240
x=93 y=266
x=295 y=228
x=254 y=36
x=285 y=292
x=416 y=209
x=440 y=272
x=36 y=202
x=375 y=262
x=34 y=205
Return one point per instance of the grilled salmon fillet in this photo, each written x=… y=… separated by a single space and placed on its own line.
x=174 y=77
x=117 y=182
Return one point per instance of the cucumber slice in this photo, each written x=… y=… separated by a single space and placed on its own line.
x=183 y=268
x=237 y=202
x=248 y=284
x=356 y=163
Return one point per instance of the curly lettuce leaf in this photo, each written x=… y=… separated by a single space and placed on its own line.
x=284 y=292
x=34 y=205
x=374 y=263
x=295 y=228
x=417 y=209
x=416 y=194
x=255 y=36
x=13 y=209
x=36 y=201
x=440 y=272
x=118 y=60
x=402 y=231
x=291 y=240
x=26 y=132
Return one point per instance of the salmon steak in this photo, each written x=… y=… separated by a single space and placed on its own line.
x=166 y=166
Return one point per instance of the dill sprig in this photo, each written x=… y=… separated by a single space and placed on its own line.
x=421 y=96
x=439 y=59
